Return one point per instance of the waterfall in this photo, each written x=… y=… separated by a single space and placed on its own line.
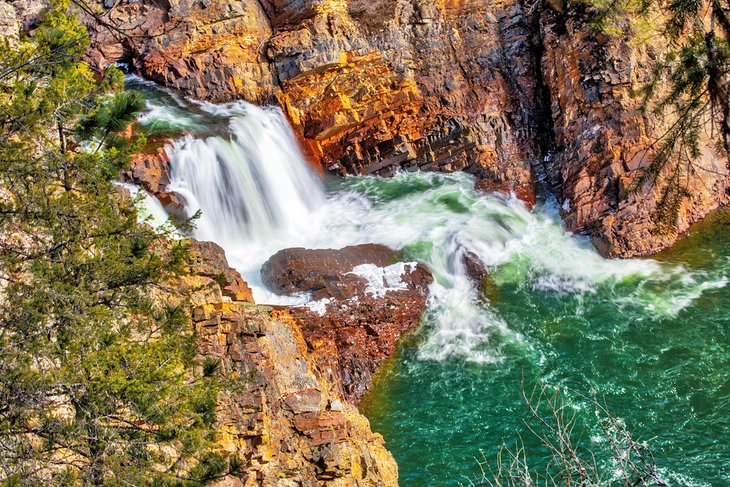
x=249 y=183
x=643 y=331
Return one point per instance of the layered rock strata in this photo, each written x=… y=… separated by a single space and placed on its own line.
x=363 y=302
x=370 y=86
x=283 y=418
x=604 y=139
x=517 y=93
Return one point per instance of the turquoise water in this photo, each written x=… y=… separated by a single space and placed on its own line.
x=656 y=350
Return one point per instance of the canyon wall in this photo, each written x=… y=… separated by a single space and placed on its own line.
x=517 y=93
x=603 y=140
x=283 y=416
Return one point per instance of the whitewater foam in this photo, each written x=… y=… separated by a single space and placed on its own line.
x=382 y=280
x=149 y=210
x=257 y=195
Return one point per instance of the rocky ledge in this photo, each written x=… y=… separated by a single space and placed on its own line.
x=363 y=300
x=285 y=418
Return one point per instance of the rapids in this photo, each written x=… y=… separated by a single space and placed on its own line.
x=648 y=335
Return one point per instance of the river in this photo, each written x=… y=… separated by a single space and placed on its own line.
x=649 y=337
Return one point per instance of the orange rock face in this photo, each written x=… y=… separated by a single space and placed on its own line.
x=517 y=95
x=604 y=139
x=151 y=170
x=281 y=416
x=209 y=49
x=209 y=260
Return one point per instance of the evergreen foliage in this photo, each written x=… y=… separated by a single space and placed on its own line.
x=98 y=384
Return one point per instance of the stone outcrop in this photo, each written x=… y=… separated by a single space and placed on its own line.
x=604 y=140
x=363 y=302
x=524 y=192
x=150 y=169
x=211 y=49
x=516 y=93
x=324 y=273
x=209 y=261
x=283 y=418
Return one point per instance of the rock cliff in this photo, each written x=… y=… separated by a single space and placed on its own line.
x=603 y=140
x=283 y=418
x=515 y=92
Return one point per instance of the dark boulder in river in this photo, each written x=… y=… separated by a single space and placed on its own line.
x=363 y=300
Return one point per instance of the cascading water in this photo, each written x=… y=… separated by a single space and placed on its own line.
x=150 y=210
x=554 y=309
x=248 y=184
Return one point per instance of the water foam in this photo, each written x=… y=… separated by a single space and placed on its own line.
x=149 y=209
x=257 y=195
x=381 y=280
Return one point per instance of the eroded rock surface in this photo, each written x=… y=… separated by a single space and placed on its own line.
x=364 y=301
x=283 y=417
x=324 y=273
x=604 y=139
x=516 y=93
x=370 y=86
x=209 y=260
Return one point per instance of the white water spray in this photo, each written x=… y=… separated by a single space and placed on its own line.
x=257 y=195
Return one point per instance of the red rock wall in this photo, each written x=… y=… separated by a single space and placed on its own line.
x=372 y=86
x=603 y=139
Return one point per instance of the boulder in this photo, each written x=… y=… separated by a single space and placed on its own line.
x=325 y=273
x=151 y=170
x=475 y=269
x=363 y=302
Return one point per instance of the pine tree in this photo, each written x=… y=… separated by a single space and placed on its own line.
x=98 y=381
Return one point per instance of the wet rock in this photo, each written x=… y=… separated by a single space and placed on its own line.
x=325 y=273
x=174 y=205
x=364 y=301
x=150 y=170
x=524 y=192
x=475 y=269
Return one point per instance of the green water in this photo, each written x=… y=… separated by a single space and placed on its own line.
x=657 y=351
